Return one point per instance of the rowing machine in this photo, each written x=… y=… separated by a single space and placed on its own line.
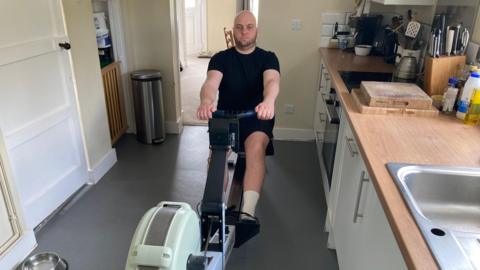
x=173 y=236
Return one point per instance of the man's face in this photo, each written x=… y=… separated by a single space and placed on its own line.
x=245 y=31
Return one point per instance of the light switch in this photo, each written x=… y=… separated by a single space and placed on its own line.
x=296 y=25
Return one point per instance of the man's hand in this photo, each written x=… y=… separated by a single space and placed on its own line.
x=265 y=110
x=204 y=111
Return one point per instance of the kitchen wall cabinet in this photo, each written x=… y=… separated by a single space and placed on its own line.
x=405 y=2
x=361 y=233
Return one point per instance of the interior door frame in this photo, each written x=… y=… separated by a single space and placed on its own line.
x=203 y=27
x=119 y=52
x=10 y=198
x=23 y=241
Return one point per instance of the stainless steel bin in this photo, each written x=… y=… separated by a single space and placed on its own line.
x=148 y=105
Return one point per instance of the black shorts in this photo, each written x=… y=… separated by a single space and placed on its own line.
x=251 y=124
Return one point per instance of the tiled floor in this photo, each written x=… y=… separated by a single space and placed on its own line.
x=95 y=232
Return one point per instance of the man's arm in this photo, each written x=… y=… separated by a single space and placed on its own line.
x=271 y=86
x=208 y=95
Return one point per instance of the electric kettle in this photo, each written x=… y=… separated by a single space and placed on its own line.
x=407 y=68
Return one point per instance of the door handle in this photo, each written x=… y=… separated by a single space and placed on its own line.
x=65 y=45
x=356 y=215
x=350 y=143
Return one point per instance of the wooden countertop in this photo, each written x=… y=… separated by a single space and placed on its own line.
x=441 y=140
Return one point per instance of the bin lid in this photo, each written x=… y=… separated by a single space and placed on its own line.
x=146 y=74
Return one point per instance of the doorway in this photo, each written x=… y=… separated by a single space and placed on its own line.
x=201 y=35
x=111 y=53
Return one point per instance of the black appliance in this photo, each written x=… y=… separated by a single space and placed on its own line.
x=366 y=28
x=390 y=45
x=352 y=79
x=386 y=44
x=332 y=125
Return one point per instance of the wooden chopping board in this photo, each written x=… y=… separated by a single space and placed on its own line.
x=362 y=107
x=394 y=95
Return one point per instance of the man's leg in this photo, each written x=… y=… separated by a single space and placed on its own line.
x=255 y=146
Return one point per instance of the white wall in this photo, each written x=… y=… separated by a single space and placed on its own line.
x=150 y=36
x=298 y=53
x=89 y=84
x=220 y=14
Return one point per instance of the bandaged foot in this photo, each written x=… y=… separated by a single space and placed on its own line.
x=250 y=199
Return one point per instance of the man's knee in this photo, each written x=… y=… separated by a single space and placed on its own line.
x=256 y=142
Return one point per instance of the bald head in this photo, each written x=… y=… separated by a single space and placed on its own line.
x=245 y=15
x=245 y=31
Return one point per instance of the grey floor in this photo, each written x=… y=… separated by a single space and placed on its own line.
x=95 y=232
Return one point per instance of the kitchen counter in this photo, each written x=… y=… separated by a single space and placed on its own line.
x=441 y=140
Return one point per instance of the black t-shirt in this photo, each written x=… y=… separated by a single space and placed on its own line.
x=241 y=87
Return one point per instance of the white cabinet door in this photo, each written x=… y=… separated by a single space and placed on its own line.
x=380 y=249
x=38 y=107
x=362 y=235
x=350 y=185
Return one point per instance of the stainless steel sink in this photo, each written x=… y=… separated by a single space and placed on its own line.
x=445 y=202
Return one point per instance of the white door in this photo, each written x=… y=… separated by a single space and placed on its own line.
x=193 y=25
x=38 y=107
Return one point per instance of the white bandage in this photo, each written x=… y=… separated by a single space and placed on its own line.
x=250 y=199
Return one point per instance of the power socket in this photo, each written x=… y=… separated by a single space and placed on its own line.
x=289 y=108
x=296 y=25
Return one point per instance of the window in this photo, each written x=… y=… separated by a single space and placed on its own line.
x=190 y=3
x=254 y=7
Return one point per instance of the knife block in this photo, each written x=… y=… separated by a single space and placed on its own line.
x=438 y=70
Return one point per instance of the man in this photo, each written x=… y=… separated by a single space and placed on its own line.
x=246 y=78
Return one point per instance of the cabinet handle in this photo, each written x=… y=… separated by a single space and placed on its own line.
x=322 y=95
x=363 y=179
x=320 y=138
x=321 y=118
x=351 y=147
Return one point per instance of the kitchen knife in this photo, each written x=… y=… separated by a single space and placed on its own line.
x=439 y=46
x=431 y=51
x=449 y=43
x=465 y=38
x=456 y=39
x=443 y=27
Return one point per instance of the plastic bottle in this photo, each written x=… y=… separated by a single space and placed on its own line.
x=473 y=116
x=472 y=83
x=450 y=95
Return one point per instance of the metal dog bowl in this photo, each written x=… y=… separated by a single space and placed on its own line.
x=45 y=261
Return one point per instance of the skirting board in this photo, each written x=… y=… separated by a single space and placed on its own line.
x=19 y=251
x=172 y=127
x=102 y=167
x=293 y=134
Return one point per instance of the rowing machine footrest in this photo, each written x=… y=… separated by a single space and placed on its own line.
x=245 y=230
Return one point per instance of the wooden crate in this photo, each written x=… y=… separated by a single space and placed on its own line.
x=117 y=119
